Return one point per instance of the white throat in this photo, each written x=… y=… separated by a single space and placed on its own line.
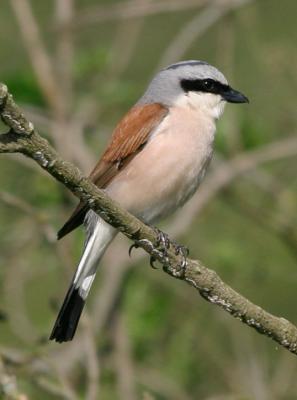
x=211 y=104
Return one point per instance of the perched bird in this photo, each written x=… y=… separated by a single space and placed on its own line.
x=156 y=158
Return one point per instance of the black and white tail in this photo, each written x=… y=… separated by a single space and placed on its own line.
x=99 y=235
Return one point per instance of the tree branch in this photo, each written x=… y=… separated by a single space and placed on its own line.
x=23 y=138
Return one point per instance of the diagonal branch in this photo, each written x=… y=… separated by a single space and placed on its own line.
x=206 y=281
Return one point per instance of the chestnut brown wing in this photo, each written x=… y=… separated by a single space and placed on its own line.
x=128 y=138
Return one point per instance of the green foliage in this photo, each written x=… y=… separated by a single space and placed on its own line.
x=24 y=86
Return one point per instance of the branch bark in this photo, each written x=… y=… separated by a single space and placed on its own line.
x=23 y=138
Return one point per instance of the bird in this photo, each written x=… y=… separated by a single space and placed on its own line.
x=156 y=158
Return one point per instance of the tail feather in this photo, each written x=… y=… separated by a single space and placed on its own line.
x=99 y=235
x=76 y=219
x=68 y=317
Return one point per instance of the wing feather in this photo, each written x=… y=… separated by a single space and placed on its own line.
x=128 y=138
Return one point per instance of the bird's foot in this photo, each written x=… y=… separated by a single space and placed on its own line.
x=164 y=243
x=182 y=251
x=152 y=258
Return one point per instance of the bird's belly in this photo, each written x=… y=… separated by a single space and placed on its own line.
x=164 y=175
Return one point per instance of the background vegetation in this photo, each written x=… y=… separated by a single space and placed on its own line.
x=76 y=67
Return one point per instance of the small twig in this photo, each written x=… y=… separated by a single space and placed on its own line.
x=168 y=388
x=198 y=25
x=8 y=385
x=65 y=50
x=40 y=220
x=37 y=52
x=123 y=360
x=206 y=281
x=133 y=9
x=92 y=364
x=53 y=389
x=227 y=171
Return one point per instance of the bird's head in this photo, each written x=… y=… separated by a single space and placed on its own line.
x=195 y=84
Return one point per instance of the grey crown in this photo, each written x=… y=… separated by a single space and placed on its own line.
x=165 y=86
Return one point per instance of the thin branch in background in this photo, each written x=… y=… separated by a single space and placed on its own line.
x=37 y=370
x=133 y=9
x=37 y=52
x=25 y=163
x=39 y=116
x=58 y=96
x=16 y=276
x=287 y=233
x=147 y=396
x=168 y=388
x=127 y=36
x=68 y=135
x=87 y=107
x=65 y=50
x=197 y=26
x=224 y=397
x=53 y=389
x=20 y=316
x=114 y=272
x=284 y=377
x=92 y=363
x=63 y=360
x=39 y=218
x=123 y=360
x=8 y=385
x=227 y=171
x=249 y=366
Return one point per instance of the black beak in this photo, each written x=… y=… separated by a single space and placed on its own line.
x=233 y=96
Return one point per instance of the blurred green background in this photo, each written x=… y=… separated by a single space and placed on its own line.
x=76 y=67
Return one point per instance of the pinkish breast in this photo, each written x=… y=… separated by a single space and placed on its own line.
x=167 y=172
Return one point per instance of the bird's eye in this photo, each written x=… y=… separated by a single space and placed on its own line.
x=208 y=84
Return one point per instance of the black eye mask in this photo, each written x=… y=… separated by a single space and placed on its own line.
x=215 y=87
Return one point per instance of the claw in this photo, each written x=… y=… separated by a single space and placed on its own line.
x=164 y=243
x=182 y=250
x=163 y=240
x=133 y=246
x=152 y=261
